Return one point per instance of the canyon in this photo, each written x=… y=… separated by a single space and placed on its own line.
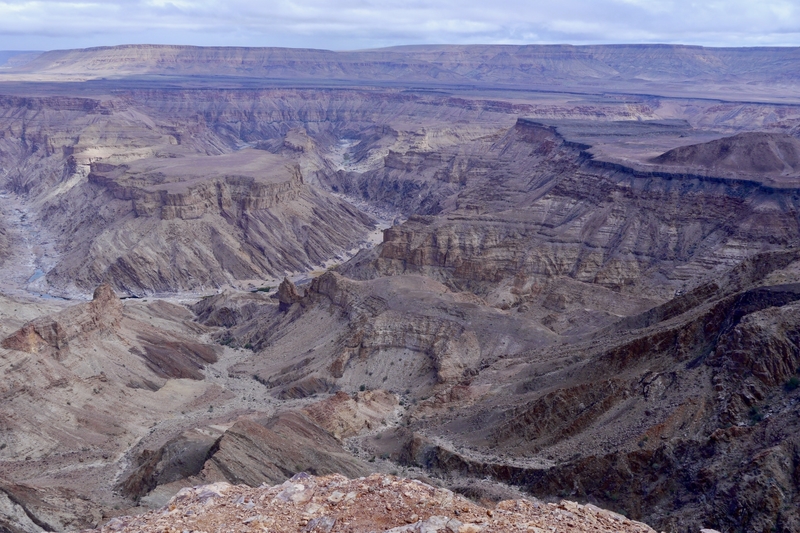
x=531 y=276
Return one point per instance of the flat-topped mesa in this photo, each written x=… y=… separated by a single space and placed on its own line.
x=597 y=66
x=189 y=187
x=180 y=220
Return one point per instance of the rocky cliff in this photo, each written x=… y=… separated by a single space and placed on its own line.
x=548 y=311
x=126 y=203
x=511 y=232
x=217 y=228
x=53 y=334
x=646 y=323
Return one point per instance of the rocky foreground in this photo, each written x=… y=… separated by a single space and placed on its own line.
x=369 y=504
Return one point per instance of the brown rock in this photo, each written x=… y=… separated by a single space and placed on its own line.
x=385 y=503
x=287 y=294
x=55 y=332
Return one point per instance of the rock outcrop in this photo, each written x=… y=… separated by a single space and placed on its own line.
x=164 y=356
x=5 y=242
x=228 y=309
x=345 y=416
x=749 y=153
x=375 y=503
x=254 y=453
x=217 y=228
x=533 y=229
x=53 y=334
x=547 y=309
x=287 y=294
x=400 y=332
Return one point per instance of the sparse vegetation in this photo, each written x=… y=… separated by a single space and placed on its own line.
x=262 y=289
x=226 y=341
x=792 y=384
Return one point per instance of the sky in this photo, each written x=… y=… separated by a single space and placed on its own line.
x=359 y=24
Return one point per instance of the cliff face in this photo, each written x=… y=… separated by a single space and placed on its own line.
x=219 y=227
x=234 y=194
x=127 y=203
x=510 y=231
x=549 y=311
x=603 y=326
x=216 y=232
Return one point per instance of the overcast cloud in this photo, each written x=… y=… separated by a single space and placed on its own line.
x=354 y=24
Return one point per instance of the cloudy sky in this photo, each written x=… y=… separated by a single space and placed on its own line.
x=354 y=24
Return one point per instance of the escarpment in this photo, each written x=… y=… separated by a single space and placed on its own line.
x=215 y=216
x=202 y=190
x=585 y=225
x=555 y=309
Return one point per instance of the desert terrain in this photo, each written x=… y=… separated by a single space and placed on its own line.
x=531 y=275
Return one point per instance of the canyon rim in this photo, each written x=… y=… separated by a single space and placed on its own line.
x=523 y=283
